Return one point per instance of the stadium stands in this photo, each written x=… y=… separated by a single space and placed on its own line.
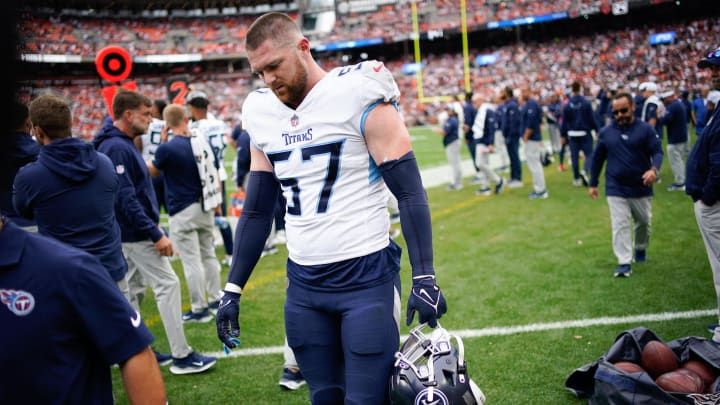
x=618 y=58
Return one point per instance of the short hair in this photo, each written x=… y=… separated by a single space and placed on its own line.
x=276 y=26
x=174 y=115
x=509 y=92
x=576 y=86
x=52 y=113
x=160 y=104
x=126 y=100
x=626 y=95
x=19 y=113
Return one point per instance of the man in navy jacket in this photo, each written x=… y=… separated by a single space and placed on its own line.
x=578 y=122
x=70 y=190
x=703 y=180
x=144 y=245
x=17 y=148
x=634 y=155
x=675 y=120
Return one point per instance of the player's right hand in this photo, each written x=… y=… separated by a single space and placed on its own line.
x=226 y=319
x=164 y=246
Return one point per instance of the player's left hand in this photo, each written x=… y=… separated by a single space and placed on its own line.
x=427 y=299
x=226 y=319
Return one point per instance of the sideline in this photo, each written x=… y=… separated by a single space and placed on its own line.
x=510 y=330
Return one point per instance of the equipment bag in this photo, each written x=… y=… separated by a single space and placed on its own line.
x=603 y=383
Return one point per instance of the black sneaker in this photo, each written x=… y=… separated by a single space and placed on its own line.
x=499 y=187
x=623 y=270
x=640 y=256
x=199 y=317
x=163 y=359
x=192 y=363
x=291 y=380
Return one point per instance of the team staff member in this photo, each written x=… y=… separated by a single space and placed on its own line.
x=531 y=118
x=64 y=324
x=578 y=122
x=703 y=182
x=675 y=120
x=144 y=245
x=217 y=133
x=634 y=155
x=71 y=189
x=192 y=201
x=511 y=125
x=484 y=128
x=17 y=148
x=312 y=133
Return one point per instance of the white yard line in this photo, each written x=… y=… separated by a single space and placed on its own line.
x=509 y=330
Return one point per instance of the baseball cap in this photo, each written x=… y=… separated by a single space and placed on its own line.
x=666 y=93
x=198 y=99
x=648 y=86
x=711 y=59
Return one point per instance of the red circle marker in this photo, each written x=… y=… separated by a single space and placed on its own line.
x=113 y=63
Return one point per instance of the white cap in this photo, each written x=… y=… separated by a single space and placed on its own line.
x=648 y=86
x=666 y=93
x=714 y=97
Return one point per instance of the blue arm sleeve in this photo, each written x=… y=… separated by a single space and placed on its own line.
x=402 y=177
x=253 y=227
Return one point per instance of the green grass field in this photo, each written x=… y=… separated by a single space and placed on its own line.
x=514 y=272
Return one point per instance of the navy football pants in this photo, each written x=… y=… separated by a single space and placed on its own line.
x=345 y=342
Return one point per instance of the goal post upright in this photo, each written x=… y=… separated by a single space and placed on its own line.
x=418 y=53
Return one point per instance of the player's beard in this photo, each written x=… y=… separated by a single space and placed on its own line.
x=294 y=90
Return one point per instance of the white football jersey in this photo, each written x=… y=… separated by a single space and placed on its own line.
x=216 y=132
x=152 y=139
x=336 y=197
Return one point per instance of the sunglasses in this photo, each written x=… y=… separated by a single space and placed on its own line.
x=621 y=111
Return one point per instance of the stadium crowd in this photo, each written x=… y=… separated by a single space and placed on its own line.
x=70 y=35
x=614 y=59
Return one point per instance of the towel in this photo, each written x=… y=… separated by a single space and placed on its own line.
x=209 y=175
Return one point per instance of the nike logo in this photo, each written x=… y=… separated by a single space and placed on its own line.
x=198 y=363
x=135 y=321
x=378 y=67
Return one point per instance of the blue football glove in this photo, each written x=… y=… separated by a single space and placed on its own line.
x=226 y=319
x=427 y=299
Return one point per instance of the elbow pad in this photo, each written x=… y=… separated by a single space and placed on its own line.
x=402 y=178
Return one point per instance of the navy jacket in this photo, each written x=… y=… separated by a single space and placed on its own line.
x=531 y=114
x=242 y=138
x=675 y=120
x=511 y=121
x=451 y=130
x=16 y=150
x=702 y=181
x=630 y=151
x=79 y=325
x=136 y=207
x=577 y=115
x=469 y=112
x=70 y=191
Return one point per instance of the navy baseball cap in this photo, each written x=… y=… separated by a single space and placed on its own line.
x=712 y=59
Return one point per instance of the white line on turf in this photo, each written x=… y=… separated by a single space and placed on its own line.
x=509 y=330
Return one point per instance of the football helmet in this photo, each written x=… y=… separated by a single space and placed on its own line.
x=430 y=370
